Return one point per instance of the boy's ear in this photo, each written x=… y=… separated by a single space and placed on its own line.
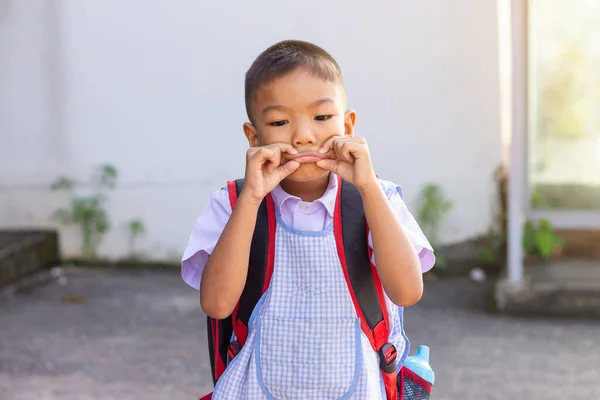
x=251 y=135
x=349 y=121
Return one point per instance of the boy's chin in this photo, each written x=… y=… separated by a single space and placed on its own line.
x=307 y=173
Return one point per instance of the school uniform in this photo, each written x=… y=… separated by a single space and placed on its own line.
x=304 y=337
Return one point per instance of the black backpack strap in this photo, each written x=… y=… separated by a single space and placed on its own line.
x=358 y=260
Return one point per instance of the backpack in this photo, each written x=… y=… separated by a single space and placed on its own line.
x=351 y=232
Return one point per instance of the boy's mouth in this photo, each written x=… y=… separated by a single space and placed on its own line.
x=308 y=157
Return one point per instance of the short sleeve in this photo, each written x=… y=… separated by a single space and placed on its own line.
x=203 y=239
x=410 y=226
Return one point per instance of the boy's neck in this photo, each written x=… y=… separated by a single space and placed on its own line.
x=306 y=191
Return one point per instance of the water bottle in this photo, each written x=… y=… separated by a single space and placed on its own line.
x=419 y=364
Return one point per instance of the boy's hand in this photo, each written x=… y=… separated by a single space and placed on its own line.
x=265 y=169
x=352 y=163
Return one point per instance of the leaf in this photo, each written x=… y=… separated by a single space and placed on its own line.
x=440 y=261
x=137 y=227
x=529 y=238
x=63 y=216
x=545 y=244
x=83 y=208
x=108 y=176
x=432 y=207
x=101 y=222
x=62 y=183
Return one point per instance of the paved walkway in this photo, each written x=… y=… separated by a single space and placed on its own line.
x=135 y=336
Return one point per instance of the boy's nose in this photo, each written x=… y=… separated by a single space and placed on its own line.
x=303 y=137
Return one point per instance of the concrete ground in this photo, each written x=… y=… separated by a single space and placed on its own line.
x=565 y=287
x=124 y=335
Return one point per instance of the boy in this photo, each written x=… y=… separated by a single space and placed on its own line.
x=304 y=338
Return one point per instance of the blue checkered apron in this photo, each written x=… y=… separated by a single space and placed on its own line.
x=304 y=338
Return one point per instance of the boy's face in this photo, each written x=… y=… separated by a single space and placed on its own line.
x=303 y=110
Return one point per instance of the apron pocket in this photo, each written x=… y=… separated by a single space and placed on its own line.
x=299 y=358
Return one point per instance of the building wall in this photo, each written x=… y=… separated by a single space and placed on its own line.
x=156 y=89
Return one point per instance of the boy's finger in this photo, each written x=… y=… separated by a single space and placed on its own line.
x=354 y=151
x=329 y=165
x=284 y=147
x=328 y=144
x=344 y=151
x=287 y=169
x=264 y=156
x=266 y=153
x=275 y=157
x=330 y=154
x=270 y=166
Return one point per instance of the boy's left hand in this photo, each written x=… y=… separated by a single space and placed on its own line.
x=352 y=162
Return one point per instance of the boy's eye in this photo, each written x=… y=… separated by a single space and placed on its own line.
x=278 y=123
x=323 y=117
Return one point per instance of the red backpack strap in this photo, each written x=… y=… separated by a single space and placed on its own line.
x=350 y=228
x=219 y=335
x=260 y=267
x=260 y=270
x=220 y=330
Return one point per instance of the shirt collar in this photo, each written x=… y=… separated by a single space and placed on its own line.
x=280 y=196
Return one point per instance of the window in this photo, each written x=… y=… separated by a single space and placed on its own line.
x=564 y=103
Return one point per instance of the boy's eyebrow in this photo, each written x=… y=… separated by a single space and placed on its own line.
x=273 y=107
x=323 y=100
x=276 y=107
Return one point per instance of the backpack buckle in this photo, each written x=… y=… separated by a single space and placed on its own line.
x=388 y=360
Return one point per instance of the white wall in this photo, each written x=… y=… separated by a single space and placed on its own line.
x=156 y=88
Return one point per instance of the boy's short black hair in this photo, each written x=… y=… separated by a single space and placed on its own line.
x=285 y=56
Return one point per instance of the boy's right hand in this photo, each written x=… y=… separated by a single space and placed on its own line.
x=265 y=168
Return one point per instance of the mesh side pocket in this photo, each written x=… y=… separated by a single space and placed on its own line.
x=412 y=387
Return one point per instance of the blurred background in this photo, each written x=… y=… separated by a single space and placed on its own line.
x=118 y=119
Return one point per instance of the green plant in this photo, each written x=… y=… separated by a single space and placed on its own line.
x=136 y=228
x=88 y=211
x=433 y=206
x=540 y=239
